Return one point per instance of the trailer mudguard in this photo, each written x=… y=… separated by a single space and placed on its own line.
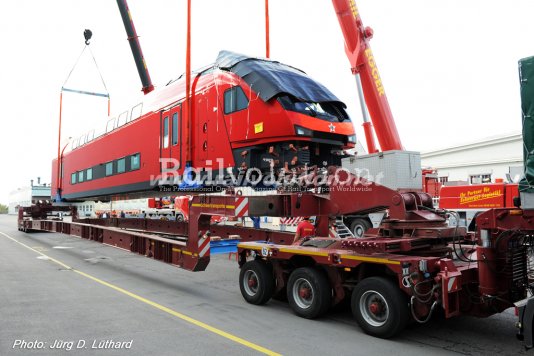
x=526 y=320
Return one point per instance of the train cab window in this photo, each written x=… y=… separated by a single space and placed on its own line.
x=89 y=174
x=121 y=165
x=328 y=111
x=135 y=161
x=80 y=176
x=166 y=132
x=109 y=168
x=73 y=177
x=175 y=129
x=235 y=100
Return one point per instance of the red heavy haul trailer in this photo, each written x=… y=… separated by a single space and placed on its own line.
x=414 y=263
x=410 y=265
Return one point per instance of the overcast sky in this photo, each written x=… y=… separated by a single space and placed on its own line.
x=449 y=67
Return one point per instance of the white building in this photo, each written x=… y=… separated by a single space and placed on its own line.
x=26 y=196
x=480 y=161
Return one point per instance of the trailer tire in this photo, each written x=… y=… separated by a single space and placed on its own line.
x=380 y=307
x=359 y=226
x=256 y=282
x=309 y=293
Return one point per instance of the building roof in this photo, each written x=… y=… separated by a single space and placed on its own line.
x=481 y=143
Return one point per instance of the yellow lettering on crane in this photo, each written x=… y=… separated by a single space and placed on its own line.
x=354 y=8
x=374 y=71
x=213 y=206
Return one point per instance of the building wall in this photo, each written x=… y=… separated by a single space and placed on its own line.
x=19 y=197
x=495 y=156
x=26 y=196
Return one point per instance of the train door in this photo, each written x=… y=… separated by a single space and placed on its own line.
x=170 y=140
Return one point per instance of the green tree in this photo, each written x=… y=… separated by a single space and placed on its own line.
x=3 y=209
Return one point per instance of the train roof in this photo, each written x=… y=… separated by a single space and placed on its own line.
x=267 y=78
x=271 y=78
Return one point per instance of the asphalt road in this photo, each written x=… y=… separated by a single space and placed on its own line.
x=56 y=290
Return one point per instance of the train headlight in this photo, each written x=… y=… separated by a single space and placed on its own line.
x=302 y=131
x=352 y=138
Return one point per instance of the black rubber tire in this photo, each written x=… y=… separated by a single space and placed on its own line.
x=259 y=272
x=321 y=292
x=359 y=224
x=396 y=302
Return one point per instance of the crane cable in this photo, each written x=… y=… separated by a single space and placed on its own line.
x=87 y=35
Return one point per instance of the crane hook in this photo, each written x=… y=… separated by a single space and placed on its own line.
x=87 y=34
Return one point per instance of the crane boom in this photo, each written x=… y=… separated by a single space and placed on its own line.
x=363 y=65
x=135 y=46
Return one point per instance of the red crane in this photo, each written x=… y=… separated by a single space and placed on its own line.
x=370 y=86
x=135 y=46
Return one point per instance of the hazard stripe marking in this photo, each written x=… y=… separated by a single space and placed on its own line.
x=451 y=283
x=242 y=206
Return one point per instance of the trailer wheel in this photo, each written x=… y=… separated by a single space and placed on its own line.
x=256 y=282
x=309 y=292
x=380 y=307
x=359 y=227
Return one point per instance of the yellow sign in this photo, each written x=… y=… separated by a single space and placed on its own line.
x=473 y=196
x=258 y=127
x=374 y=72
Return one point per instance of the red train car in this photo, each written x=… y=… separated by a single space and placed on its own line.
x=245 y=113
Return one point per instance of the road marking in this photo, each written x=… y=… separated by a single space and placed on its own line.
x=154 y=304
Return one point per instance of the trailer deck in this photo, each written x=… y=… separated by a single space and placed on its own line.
x=48 y=302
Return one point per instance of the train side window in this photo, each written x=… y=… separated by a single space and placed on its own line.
x=80 y=177
x=89 y=174
x=122 y=119
x=135 y=161
x=73 y=177
x=109 y=168
x=121 y=165
x=110 y=125
x=235 y=100
x=136 y=111
x=166 y=132
x=175 y=129
x=90 y=135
